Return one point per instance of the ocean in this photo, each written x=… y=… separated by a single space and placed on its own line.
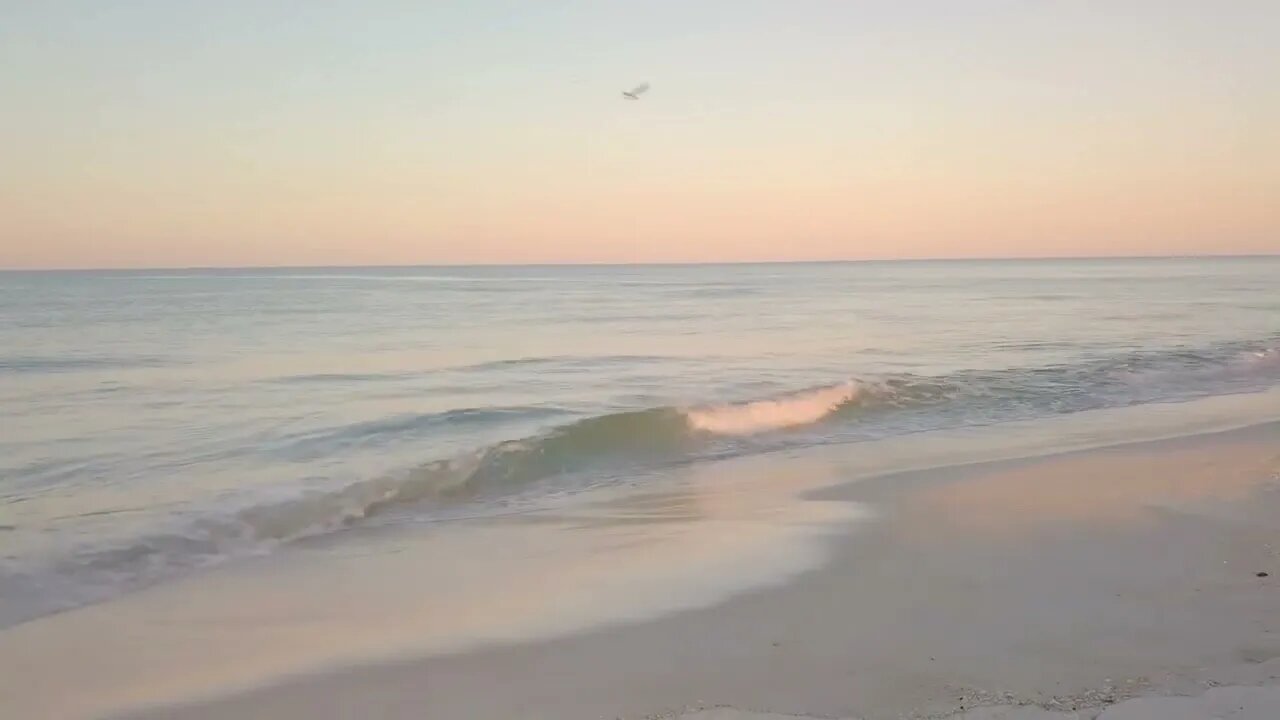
x=157 y=423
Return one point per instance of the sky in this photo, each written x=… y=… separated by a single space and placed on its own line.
x=246 y=133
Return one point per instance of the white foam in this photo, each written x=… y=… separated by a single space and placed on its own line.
x=802 y=408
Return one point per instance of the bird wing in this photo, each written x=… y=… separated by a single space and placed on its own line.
x=639 y=89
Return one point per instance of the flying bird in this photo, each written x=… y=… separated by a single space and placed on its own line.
x=635 y=92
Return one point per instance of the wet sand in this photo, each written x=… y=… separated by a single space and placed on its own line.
x=1048 y=588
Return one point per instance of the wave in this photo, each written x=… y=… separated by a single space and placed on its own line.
x=594 y=450
x=560 y=361
x=606 y=445
x=1257 y=359
x=802 y=408
x=52 y=364
x=401 y=427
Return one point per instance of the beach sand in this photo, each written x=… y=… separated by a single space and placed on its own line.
x=1120 y=583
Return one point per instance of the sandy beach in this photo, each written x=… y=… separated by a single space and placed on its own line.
x=1078 y=585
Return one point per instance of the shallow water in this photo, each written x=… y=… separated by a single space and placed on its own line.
x=158 y=422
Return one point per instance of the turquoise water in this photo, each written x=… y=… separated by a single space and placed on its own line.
x=158 y=422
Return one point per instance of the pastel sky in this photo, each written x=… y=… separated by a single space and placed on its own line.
x=252 y=132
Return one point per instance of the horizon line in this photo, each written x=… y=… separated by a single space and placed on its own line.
x=657 y=263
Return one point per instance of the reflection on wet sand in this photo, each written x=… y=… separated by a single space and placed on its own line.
x=1116 y=486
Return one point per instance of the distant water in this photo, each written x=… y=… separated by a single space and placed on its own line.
x=156 y=422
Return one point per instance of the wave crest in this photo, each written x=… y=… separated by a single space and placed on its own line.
x=802 y=408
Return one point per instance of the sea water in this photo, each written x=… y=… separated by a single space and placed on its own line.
x=154 y=423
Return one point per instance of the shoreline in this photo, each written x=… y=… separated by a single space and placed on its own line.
x=846 y=633
x=880 y=486
x=916 y=614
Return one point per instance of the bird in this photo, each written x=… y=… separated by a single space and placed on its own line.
x=635 y=92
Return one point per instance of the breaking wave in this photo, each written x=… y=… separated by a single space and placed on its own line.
x=801 y=408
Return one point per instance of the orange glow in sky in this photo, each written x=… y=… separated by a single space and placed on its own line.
x=231 y=134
